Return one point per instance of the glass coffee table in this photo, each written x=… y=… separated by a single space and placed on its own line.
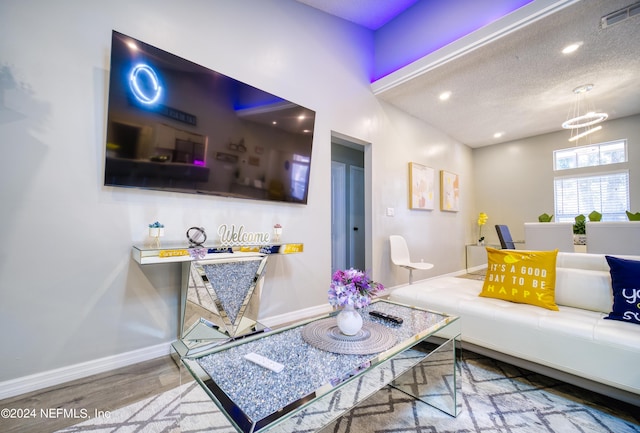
x=309 y=361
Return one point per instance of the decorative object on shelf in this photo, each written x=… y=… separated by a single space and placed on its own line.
x=482 y=220
x=595 y=216
x=349 y=320
x=156 y=231
x=633 y=216
x=197 y=253
x=351 y=289
x=449 y=191
x=545 y=218
x=579 y=225
x=230 y=236
x=581 y=125
x=196 y=236
x=579 y=230
x=421 y=187
x=277 y=232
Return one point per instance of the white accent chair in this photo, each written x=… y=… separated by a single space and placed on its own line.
x=400 y=256
x=549 y=236
x=608 y=237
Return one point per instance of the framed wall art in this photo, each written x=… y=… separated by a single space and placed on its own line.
x=449 y=191
x=421 y=187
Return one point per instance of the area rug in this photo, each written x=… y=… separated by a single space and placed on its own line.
x=494 y=397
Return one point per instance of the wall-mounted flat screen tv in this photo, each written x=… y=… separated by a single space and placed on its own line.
x=177 y=126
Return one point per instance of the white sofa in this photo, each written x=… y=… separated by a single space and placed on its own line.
x=575 y=344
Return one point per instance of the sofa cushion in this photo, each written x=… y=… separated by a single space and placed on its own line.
x=582 y=288
x=594 y=262
x=625 y=279
x=526 y=277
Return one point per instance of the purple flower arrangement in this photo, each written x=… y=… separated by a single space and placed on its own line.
x=352 y=287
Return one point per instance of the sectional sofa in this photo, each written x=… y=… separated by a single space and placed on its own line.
x=575 y=343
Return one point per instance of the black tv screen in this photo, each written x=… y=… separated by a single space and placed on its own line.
x=177 y=126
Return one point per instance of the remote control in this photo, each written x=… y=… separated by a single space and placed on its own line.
x=264 y=362
x=250 y=334
x=385 y=316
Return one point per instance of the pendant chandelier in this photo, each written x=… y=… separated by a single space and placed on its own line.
x=582 y=118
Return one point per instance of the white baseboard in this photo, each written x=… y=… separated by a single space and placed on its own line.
x=34 y=382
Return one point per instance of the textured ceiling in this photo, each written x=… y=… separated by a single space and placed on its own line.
x=521 y=84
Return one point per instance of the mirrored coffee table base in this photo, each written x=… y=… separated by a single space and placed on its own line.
x=256 y=399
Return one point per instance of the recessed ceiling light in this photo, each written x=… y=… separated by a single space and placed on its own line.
x=498 y=134
x=571 y=48
x=445 y=96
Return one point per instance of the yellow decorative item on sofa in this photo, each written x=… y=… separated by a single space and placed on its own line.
x=526 y=277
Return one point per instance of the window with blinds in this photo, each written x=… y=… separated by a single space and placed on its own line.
x=593 y=155
x=582 y=191
x=607 y=193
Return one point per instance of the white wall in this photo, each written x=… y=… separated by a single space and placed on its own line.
x=514 y=180
x=69 y=291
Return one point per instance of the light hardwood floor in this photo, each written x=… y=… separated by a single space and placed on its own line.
x=106 y=391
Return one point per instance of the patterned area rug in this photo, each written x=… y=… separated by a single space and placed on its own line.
x=495 y=398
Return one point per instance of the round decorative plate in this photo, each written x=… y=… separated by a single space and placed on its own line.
x=196 y=236
x=372 y=338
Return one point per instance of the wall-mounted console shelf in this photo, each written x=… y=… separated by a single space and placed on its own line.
x=220 y=291
x=178 y=252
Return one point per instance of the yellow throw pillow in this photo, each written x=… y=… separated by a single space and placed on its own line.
x=526 y=277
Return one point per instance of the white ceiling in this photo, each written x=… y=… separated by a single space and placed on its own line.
x=520 y=84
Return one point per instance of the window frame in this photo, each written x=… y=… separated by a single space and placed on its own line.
x=580 y=173
x=577 y=152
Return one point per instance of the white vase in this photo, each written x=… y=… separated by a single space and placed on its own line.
x=277 y=233
x=579 y=239
x=349 y=320
x=156 y=232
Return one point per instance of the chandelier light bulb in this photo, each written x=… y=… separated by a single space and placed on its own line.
x=585 y=133
x=585 y=120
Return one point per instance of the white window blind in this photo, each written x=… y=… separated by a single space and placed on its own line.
x=607 y=193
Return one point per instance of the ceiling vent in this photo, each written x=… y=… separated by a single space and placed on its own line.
x=620 y=15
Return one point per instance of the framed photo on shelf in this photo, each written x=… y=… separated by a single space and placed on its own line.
x=449 y=191
x=421 y=187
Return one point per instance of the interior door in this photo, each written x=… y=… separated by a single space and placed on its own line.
x=338 y=216
x=356 y=217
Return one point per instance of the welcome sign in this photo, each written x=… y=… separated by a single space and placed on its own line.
x=232 y=236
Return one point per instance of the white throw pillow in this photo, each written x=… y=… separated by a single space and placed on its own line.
x=582 y=288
